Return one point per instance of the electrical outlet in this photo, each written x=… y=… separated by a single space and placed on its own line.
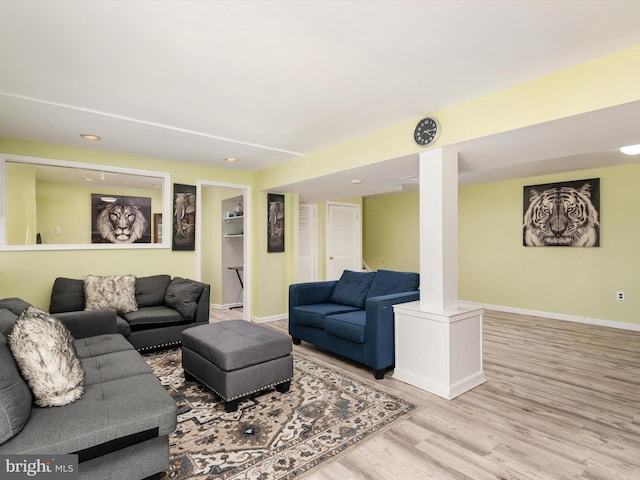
x=619 y=295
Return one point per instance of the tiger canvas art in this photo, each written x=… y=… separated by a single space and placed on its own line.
x=121 y=220
x=562 y=214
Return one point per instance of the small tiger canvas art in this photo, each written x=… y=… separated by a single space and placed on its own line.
x=562 y=214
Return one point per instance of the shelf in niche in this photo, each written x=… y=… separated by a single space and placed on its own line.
x=233 y=218
x=234 y=235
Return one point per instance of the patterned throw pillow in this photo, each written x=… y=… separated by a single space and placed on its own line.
x=43 y=349
x=117 y=292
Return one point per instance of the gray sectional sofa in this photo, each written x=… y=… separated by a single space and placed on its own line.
x=119 y=427
x=165 y=307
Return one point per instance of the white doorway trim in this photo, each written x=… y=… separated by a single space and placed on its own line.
x=247 y=273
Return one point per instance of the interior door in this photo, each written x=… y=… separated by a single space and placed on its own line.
x=344 y=239
x=307 y=243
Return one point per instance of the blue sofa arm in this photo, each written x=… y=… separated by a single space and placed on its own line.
x=310 y=293
x=380 y=327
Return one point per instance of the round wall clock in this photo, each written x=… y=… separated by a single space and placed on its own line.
x=426 y=131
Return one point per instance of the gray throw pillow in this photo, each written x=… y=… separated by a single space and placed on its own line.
x=44 y=351
x=117 y=292
x=183 y=295
x=15 y=396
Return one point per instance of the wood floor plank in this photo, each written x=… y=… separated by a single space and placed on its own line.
x=561 y=401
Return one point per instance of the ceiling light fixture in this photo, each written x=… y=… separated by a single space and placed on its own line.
x=631 y=150
x=356 y=181
x=89 y=136
x=230 y=160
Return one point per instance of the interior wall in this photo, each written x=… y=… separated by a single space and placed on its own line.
x=30 y=274
x=494 y=267
x=391 y=233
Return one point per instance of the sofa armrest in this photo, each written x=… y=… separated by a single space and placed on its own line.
x=380 y=326
x=310 y=293
x=204 y=304
x=89 y=323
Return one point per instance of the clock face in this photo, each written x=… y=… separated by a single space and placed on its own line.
x=426 y=131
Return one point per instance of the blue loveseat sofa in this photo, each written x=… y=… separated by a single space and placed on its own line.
x=353 y=316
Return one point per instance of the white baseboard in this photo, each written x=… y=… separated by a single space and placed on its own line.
x=227 y=306
x=271 y=318
x=559 y=316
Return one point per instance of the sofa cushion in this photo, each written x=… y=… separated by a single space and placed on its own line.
x=15 y=396
x=101 y=345
x=352 y=288
x=113 y=366
x=314 y=315
x=150 y=317
x=117 y=292
x=182 y=294
x=43 y=349
x=15 y=305
x=107 y=411
x=150 y=291
x=350 y=326
x=67 y=295
x=7 y=321
x=387 y=282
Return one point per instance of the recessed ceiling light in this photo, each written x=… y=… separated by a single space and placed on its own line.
x=87 y=179
x=356 y=181
x=631 y=150
x=89 y=136
x=230 y=160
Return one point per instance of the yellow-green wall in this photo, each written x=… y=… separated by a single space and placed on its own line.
x=600 y=83
x=30 y=274
x=494 y=267
x=21 y=204
x=391 y=233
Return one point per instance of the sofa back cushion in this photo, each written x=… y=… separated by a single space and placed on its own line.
x=182 y=295
x=387 y=282
x=15 y=396
x=352 y=288
x=67 y=295
x=150 y=291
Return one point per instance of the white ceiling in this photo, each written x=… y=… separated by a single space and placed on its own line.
x=270 y=81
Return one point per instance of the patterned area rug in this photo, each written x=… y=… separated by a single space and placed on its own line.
x=272 y=436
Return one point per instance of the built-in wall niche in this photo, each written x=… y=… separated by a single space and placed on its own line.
x=232 y=251
x=51 y=204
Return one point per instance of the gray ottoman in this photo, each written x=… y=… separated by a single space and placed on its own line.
x=236 y=359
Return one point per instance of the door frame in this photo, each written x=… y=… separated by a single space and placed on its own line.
x=247 y=272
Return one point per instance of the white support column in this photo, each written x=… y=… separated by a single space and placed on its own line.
x=438 y=341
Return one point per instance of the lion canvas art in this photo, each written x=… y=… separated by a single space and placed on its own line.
x=565 y=214
x=120 y=219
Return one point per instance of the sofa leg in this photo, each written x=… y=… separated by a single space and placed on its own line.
x=188 y=377
x=378 y=374
x=283 y=387
x=232 y=406
x=296 y=341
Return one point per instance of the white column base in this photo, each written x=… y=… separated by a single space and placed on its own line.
x=440 y=352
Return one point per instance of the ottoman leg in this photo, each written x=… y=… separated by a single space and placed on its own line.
x=232 y=406
x=283 y=387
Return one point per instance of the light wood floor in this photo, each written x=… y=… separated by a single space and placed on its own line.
x=561 y=401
